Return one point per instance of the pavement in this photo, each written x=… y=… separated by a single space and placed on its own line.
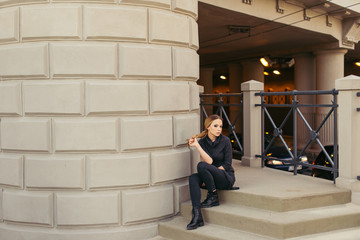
x=276 y=183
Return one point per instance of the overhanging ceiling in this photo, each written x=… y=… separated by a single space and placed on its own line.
x=254 y=37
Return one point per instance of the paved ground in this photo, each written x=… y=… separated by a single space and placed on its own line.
x=271 y=182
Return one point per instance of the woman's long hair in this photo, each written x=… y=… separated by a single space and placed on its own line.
x=207 y=124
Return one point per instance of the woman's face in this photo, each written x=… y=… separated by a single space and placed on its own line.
x=215 y=128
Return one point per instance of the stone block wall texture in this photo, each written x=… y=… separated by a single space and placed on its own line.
x=97 y=99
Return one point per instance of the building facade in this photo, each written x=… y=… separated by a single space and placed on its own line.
x=97 y=100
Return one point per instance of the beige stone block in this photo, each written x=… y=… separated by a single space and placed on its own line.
x=87 y=1
x=194 y=34
x=168 y=27
x=11 y=170
x=86 y=134
x=31 y=134
x=185 y=64
x=116 y=23
x=10 y=98
x=109 y=171
x=24 y=61
x=144 y=61
x=159 y=203
x=83 y=60
x=181 y=194
x=194 y=96
x=185 y=126
x=169 y=96
x=170 y=165
x=117 y=97
x=1 y=204
x=50 y=22
x=100 y=208
x=195 y=159
x=9 y=25
x=15 y=2
x=53 y=97
x=146 y=132
x=155 y=3
x=25 y=207
x=55 y=171
x=186 y=6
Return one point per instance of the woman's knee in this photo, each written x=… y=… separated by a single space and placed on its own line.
x=202 y=166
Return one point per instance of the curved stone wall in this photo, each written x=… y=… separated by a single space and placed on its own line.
x=97 y=98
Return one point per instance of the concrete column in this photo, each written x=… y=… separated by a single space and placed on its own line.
x=235 y=76
x=253 y=70
x=349 y=135
x=329 y=67
x=97 y=101
x=252 y=123
x=305 y=80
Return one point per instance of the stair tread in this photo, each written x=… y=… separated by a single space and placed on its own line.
x=293 y=216
x=289 y=217
x=276 y=190
x=343 y=234
x=280 y=184
x=159 y=238
x=281 y=224
x=177 y=227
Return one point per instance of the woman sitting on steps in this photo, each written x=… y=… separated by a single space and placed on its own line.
x=214 y=169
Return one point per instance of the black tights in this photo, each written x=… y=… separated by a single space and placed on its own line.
x=213 y=177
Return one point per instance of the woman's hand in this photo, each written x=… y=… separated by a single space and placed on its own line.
x=221 y=167
x=204 y=157
x=193 y=142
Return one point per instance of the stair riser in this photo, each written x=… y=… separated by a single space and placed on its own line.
x=270 y=229
x=284 y=204
x=177 y=234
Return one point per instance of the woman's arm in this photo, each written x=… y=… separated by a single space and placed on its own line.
x=203 y=155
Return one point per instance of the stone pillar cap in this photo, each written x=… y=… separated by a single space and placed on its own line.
x=350 y=82
x=252 y=85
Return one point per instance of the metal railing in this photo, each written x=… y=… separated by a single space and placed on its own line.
x=221 y=105
x=295 y=111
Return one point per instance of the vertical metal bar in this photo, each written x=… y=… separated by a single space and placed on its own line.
x=335 y=172
x=221 y=106
x=201 y=112
x=262 y=131
x=295 y=134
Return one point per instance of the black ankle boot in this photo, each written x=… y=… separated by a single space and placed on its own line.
x=197 y=220
x=211 y=200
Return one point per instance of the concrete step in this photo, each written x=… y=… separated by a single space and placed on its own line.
x=176 y=229
x=280 y=225
x=280 y=203
x=276 y=190
x=345 y=234
x=158 y=238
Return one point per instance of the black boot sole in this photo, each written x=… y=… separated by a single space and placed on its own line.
x=195 y=227
x=211 y=205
